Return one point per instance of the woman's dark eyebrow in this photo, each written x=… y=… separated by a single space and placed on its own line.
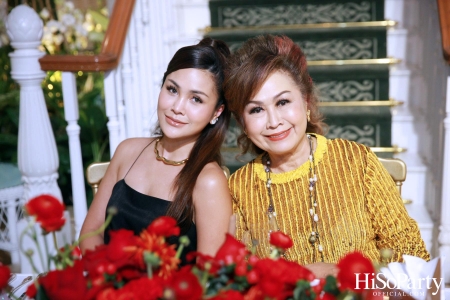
x=276 y=96
x=192 y=91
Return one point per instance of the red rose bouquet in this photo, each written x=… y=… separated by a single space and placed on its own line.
x=147 y=267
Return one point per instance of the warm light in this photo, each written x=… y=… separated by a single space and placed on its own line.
x=50 y=86
x=80 y=73
x=58 y=76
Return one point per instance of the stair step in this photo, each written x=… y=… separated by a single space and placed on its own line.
x=324 y=44
x=232 y=13
x=351 y=82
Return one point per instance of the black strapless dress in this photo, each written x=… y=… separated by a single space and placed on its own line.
x=136 y=211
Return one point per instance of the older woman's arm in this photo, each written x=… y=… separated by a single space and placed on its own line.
x=394 y=228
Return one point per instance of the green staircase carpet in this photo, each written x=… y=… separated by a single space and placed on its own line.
x=342 y=59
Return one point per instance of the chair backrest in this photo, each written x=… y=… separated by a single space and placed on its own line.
x=397 y=169
x=96 y=171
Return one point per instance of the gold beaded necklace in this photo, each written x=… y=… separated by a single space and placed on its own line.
x=165 y=160
x=314 y=238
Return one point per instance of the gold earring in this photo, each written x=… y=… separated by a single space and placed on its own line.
x=308 y=112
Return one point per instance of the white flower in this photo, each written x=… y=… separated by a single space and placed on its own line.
x=69 y=5
x=81 y=30
x=53 y=26
x=45 y=14
x=58 y=39
x=62 y=28
x=68 y=20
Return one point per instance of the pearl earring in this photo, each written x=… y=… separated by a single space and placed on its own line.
x=214 y=121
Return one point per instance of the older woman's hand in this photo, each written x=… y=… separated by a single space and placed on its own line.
x=322 y=270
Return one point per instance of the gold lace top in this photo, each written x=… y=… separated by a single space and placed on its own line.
x=359 y=206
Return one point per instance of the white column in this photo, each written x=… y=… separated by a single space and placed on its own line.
x=111 y=110
x=70 y=98
x=37 y=154
x=444 y=228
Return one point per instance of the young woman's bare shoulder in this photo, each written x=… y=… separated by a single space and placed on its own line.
x=211 y=177
x=131 y=147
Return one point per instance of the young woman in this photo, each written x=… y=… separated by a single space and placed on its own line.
x=330 y=196
x=178 y=174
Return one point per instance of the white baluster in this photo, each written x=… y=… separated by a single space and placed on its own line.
x=111 y=110
x=133 y=37
x=444 y=228
x=128 y=91
x=70 y=98
x=37 y=155
x=142 y=75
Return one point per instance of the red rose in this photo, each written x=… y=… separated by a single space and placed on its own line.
x=5 y=273
x=31 y=291
x=280 y=240
x=228 y=295
x=185 y=285
x=350 y=265
x=231 y=251
x=65 y=284
x=165 y=226
x=143 y=289
x=121 y=247
x=48 y=210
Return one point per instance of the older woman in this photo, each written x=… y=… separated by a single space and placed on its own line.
x=330 y=196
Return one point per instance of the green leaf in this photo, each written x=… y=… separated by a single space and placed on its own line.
x=303 y=291
x=331 y=285
x=99 y=18
x=41 y=295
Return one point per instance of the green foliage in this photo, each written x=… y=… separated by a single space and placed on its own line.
x=303 y=291
x=9 y=109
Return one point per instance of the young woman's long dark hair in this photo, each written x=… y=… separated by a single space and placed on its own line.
x=208 y=55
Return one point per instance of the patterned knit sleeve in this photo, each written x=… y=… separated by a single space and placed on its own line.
x=394 y=228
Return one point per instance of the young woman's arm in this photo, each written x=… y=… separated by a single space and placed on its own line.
x=97 y=211
x=213 y=209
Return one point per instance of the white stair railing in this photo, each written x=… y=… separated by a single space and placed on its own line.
x=444 y=228
x=37 y=155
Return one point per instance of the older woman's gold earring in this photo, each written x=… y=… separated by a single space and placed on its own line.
x=308 y=112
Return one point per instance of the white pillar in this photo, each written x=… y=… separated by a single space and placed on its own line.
x=37 y=154
x=111 y=110
x=444 y=229
x=70 y=98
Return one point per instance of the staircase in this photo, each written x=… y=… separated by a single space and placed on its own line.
x=345 y=45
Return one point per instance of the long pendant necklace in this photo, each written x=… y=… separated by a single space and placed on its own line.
x=314 y=238
x=168 y=161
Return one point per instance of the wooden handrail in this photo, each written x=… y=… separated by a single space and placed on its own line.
x=444 y=17
x=111 y=50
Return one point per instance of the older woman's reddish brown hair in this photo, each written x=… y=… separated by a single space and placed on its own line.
x=251 y=65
